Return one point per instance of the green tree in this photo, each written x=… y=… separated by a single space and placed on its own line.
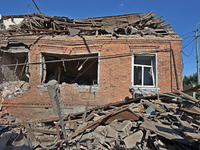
x=191 y=80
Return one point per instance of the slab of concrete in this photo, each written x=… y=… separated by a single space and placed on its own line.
x=134 y=139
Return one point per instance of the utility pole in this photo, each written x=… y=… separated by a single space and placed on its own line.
x=197 y=53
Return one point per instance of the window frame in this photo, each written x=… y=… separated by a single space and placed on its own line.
x=143 y=66
x=81 y=54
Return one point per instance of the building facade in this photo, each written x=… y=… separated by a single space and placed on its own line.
x=96 y=64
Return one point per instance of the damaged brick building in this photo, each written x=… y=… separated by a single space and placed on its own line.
x=104 y=56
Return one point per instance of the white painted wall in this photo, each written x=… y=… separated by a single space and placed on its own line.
x=9 y=22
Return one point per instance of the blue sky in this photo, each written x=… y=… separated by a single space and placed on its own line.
x=183 y=15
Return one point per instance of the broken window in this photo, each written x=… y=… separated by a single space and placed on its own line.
x=144 y=70
x=81 y=69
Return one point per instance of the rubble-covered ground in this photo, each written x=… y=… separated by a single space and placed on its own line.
x=168 y=121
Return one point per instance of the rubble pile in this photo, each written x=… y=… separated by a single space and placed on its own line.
x=149 y=124
x=139 y=25
x=14 y=88
x=168 y=121
x=13 y=133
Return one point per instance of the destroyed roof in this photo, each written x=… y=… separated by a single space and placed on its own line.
x=138 y=25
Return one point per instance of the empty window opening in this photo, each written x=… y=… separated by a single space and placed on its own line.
x=80 y=69
x=11 y=68
x=144 y=70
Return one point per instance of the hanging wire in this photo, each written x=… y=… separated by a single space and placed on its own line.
x=188 y=43
x=84 y=71
x=188 y=36
x=190 y=53
x=188 y=32
x=93 y=57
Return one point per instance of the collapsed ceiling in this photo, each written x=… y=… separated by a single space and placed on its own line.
x=139 y=25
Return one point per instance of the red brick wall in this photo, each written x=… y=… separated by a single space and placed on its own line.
x=114 y=73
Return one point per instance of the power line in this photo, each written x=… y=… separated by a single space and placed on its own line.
x=93 y=57
x=188 y=43
x=188 y=32
x=185 y=54
x=190 y=53
x=84 y=71
x=188 y=36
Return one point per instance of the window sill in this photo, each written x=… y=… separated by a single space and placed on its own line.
x=44 y=88
x=85 y=88
x=80 y=88
x=146 y=90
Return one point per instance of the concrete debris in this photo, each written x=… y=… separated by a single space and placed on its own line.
x=138 y=123
x=134 y=140
x=14 y=88
x=13 y=135
x=53 y=90
x=111 y=133
x=125 y=126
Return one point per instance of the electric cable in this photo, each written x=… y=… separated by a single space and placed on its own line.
x=188 y=32
x=84 y=71
x=188 y=36
x=190 y=53
x=93 y=57
x=188 y=43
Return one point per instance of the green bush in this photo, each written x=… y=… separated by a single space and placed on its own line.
x=191 y=80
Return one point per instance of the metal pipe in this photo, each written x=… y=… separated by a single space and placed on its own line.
x=16 y=65
x=175 y=69
x=36 y=6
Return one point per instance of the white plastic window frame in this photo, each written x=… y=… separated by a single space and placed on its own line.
x=154 y=73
